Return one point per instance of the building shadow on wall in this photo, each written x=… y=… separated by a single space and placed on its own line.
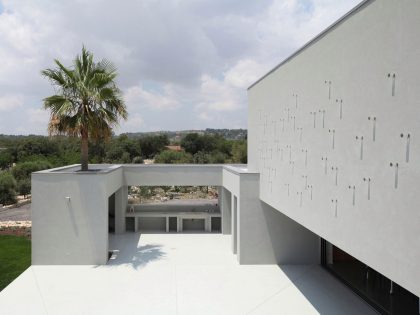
x=126 y=250
x=291 y=243
x=296 y=249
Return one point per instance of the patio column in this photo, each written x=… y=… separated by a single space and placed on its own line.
x=226 y=211
x=234 y=223
x=121 y=199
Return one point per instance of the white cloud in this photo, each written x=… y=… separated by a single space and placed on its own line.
x=135 y=121
x=38 y=116
x=204 y=116
x=200 y=55
x=10 y=102
x=218 y=96
x=244 y=73
x=137 y=96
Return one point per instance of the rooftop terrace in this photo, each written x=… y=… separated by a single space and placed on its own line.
x=178 y=274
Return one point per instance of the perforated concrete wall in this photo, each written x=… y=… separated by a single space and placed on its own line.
x=334 y=133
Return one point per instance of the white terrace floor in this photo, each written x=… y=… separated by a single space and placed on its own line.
x=178 y=274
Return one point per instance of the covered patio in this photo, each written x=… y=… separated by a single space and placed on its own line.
x=178 y=274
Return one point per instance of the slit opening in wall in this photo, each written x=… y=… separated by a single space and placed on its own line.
x=216 y=225
x=152 y=224
x=173 y=224
x=129 y=224
x=111 y=213
x=193 y=225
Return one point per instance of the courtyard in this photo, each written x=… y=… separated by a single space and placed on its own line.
x=178 y=274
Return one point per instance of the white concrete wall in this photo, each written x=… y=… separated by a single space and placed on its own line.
x=70 y=218
x=173 y=174
x=231 y=181
x=265 y=236
x=356 y=56
x=113 y=181
x=226 y=209
x=121 y=200
x=76 y=232
x=260 y=234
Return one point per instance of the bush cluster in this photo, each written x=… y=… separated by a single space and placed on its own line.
x=22 y=155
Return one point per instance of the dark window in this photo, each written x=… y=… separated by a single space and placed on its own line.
x=383 y=294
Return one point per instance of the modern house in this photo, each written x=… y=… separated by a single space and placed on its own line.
x=332 y=179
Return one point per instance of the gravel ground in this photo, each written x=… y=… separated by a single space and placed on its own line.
x=22 y=213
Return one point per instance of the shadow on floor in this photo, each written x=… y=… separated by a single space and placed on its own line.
x=126 y=250
x=325 y=293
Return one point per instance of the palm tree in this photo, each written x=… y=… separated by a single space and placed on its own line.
x=87 y=102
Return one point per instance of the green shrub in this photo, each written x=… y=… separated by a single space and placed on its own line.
x=138 y=160
x=173 y=157
x=23 y=170
x=7 y=188
x=24 y=187
x=6 y=159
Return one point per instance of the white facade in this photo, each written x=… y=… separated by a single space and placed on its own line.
x=333 y=132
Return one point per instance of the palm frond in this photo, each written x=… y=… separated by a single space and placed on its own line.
x=87 y=97
x=106 y=66
x=68 y=72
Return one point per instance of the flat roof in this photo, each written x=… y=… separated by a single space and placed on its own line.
x=353 y=11
x=106 y=168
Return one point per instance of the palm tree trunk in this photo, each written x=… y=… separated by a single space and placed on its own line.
x=85 y=151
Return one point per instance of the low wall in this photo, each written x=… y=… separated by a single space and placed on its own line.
x=175 y=208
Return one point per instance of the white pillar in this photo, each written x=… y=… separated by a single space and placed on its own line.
x=121 y=199
x=207 y=224
x=179 y=224
x=226 y=211
x=234 y=222
x=136 y=224
x=238 y=227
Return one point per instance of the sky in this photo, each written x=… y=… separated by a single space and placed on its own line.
x=182 y=64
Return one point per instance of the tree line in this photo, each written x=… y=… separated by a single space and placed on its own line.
x=22 y=155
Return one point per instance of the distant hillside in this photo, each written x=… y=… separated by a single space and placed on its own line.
x=174 y=136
